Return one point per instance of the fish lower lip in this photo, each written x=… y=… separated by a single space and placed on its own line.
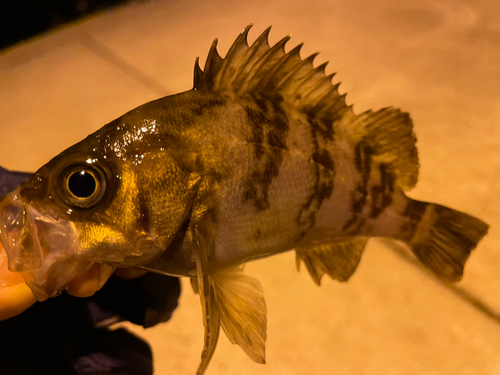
x=12 y=218
x=39 y=246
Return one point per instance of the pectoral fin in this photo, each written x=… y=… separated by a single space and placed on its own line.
x=339 y=260
x=243 y=311
x=211 y=320
x=204 y=285
x=228 y=298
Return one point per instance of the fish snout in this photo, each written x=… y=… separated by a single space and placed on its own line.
x=39 y=246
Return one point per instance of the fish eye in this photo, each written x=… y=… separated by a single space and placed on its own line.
x=82 y=186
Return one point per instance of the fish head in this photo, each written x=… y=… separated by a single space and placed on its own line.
x=92 y=204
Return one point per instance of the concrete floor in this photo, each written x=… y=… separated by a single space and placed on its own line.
x=437 y=59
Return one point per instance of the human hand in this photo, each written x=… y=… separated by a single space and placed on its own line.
x=15 y=295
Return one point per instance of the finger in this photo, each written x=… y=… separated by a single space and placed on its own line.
x=130 y=273
x=14 y=300
x=91 y=281
x=15 y=295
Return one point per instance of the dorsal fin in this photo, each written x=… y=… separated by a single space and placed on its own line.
x=388 y=133
x=270 y=72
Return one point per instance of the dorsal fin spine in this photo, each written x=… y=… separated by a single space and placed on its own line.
x=294 y=73
x=306 y=79
x=240 y=44
x=213 y=64
x=321 y=68
x=315 y=92
x=339 y=101
x=326 y=102
x=262 y=40
x=250 y=59
x=267 y=57
x=311 y=84
x=293 y=54
x=199 y=76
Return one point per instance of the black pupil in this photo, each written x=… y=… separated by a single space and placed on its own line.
x=82 y=184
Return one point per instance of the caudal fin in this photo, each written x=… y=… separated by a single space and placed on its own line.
x=442 y=238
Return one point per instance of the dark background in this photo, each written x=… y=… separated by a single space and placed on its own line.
x=22 y=19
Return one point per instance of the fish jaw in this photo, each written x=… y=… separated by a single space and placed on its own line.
x=39 y=246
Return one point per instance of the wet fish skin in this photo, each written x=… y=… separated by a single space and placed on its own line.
x=148 y=190
x=261 y=157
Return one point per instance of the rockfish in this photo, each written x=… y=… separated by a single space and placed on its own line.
x=262 y=156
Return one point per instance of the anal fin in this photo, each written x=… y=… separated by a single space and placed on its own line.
x=339 y=260
x=243 y=311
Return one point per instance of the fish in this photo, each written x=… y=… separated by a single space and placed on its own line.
x=262 y=156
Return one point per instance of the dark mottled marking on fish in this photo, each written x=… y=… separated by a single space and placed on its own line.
x=196 y=110
x=214 y=214
x=215 y=175
x=322 y=189
x=362 y=156
x=256 y=118
x=382 y=194
x=363 y=161
x=269 y=129
x=201 y=107
x=323 y=127
x=324 y=172
x=323 y=157
x=257 y=234
x=413 y=212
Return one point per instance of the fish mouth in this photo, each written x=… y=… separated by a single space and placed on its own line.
x=40 y=246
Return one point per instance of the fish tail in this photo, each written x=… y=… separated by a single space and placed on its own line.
x=441 y=238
